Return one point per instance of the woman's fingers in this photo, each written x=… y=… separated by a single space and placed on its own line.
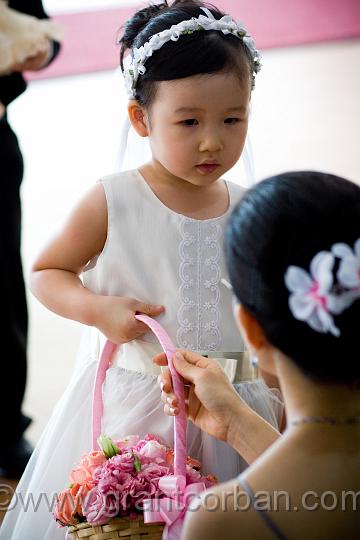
x=170 y=411
x=164 y=381
x=189 y=365
x=169 y=398
x=160 y=359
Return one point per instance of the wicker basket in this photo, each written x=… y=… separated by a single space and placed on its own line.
x=133 y=529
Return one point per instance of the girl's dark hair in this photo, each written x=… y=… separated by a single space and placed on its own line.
x=198 y=53
x=286 y=220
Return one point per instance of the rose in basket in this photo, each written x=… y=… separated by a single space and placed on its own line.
x=121 y=480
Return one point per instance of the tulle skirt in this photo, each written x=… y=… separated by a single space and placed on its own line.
x=131 y=406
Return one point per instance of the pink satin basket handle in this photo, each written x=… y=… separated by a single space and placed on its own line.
x=107 y=355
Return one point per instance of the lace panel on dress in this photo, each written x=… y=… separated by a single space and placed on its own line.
x=200 y=274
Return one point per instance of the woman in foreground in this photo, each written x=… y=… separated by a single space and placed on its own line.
x=293 y=254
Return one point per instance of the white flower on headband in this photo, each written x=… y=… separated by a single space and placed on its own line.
x=226 y=25
x=309 y=299
x=316 y=298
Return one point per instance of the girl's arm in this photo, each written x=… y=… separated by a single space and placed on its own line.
x=55 y=275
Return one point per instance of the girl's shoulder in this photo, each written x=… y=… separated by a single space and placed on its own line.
x=120 y=187
x=119 y=179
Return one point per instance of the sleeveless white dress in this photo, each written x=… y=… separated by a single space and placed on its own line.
x=160 y=257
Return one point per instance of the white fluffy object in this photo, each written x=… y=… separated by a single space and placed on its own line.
x=23 y=36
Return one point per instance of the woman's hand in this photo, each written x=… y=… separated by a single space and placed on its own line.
x=214 y=406
x=114 y=316
x=212 y=403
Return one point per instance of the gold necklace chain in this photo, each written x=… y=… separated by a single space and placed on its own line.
x=331 y=420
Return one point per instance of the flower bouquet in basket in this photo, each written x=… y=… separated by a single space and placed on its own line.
x=131 y=480
x=134 y=487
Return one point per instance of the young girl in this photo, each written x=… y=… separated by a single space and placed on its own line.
x=150 y=240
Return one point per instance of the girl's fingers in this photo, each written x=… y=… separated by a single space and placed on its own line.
x=140 y=327
x=148 y=309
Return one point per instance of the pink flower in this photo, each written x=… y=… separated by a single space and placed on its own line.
x=128 y=442
x=114 y=481
x=153 y=471
x=148 y=437
x=68 y=508
x=154 y=451
x=122 y=462
x=99 y=508
x=141 y=488
x=89 y=463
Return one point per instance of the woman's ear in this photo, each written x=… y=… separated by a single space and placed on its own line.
x=138 y=118
x=257 y=342
x=252 y=331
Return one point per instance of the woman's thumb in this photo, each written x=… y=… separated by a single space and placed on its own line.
x=186 y=370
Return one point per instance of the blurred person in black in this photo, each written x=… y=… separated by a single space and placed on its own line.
x=15 y=450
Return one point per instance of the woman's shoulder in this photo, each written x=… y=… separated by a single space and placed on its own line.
x=222 y=511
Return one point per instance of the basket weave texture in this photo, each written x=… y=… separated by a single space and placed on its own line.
x=126 y=528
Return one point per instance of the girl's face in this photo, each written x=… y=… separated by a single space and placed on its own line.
x=197 y=126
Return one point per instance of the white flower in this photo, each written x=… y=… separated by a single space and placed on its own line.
x=176 y=35
x=309 y=299
x=250 y=43
x=349 y=270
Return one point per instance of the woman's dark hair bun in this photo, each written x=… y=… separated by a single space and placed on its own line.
x=286 y=220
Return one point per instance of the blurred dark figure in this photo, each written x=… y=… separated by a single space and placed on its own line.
x=15 y=450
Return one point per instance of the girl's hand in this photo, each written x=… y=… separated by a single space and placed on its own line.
x=114 y=316
x=212 y=404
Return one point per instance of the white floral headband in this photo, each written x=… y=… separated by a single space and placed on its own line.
x=315 y=297
x=226 y=25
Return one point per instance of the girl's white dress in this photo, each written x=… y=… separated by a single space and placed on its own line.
x=157 y=256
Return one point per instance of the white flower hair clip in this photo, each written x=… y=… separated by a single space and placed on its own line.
x=315 y=298
x=226 y=25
